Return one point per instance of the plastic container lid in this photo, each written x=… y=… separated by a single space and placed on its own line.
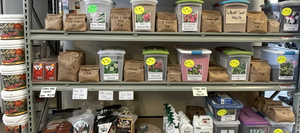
x=112 y=51
x=231 y=1
x=236 y=104
x=232 y=51
x=12 y=17
x=290 y=3
x=270 y=5
x=250 y=117
x=15 y=120
x=273 y=123
x=12 y=94
x=155 y=50
x=189 y=1
x=132 y=1
x=282 y=51
x=12 y=68
x=193 y=50
x=99 y=1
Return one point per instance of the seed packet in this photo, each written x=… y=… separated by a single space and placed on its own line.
x=217 y=74
x=166 y=22
x=269 y=105
x=260 y=71
x=257 y=22
x=75 y=22
x=211 y=21
x=54 y=22
x=260 y=102
x=68 y=66
x=120 y=19
x=134 y=71
x=273 y=26
x=89 y=73
x=174 y=73
x=82 y=55
x=281 y=114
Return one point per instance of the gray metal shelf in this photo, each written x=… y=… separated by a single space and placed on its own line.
x=161 y=36
x=166 y=86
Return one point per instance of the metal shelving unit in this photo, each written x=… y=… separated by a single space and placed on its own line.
x=31 y=35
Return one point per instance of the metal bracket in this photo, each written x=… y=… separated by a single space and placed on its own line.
x=66 y=34
x=233 y=85
x=203 y=35
x=67 y=85
x=135 y=35
x=168 y=85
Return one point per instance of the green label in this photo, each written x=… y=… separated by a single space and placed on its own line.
x=92 y=8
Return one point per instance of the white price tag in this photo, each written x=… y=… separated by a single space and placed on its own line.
x=106 y=95
x=48 y=92
x=199 y=91
x=79 y=93
x=126 y=95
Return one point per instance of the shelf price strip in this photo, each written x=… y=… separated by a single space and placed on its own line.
x=48 y=92
x=199 y=91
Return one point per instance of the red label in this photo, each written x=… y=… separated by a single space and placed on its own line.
x=38 y=72
x=49 y=72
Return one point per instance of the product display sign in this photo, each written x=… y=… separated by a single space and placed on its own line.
x=48 y=92
x=79 y=93
x=106 y=95
x=126 y=95
x=199 y=91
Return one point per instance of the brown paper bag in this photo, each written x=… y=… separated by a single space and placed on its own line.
x=217 y=74
x=257 y=22
x=260 y=71
x=54 y=22
x=120 y=19
x=282 y=114
x=273 y=26
x=68 y=66
x=194 y=110
x=269 y=105
x=89 y=73
x=260 y=102
x=173 y=73
x=134 y=71
x=211 y=21
x=75 y=22
x=81 y=53
x=166 y=22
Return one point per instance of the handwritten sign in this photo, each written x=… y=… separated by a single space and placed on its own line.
x=79 y=93
x=199 y=91
x=236 y=16
x=106 y=95
x=126 y=95
x=48 y=92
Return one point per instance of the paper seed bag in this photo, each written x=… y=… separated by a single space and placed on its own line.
x=257 y=22
x=120 y=19
x=89 y=73
x=75 y=22
x=54 y=22
x=260 y=102
x=134 y=71
x=173 y=73
x=269 y=105
x=282 y=114
x=217 y=74
x=260 y=71
x=81 y=53
x=273 y=26
x=166 y=22
x=211 y=21
x=68 y=66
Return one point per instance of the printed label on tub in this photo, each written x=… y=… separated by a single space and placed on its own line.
x=238 y=77
x=190 y=21
x=17 y=129
x=291 y=22
x=227 y=131
x=194 y=77
x=104 y=128
x=153 y=76
x=12 y=56
x=239 y=72
x=236 y=16
x=286 y=70
x=98 y=21
x=143 y=20
x=194 y=73
x=111 y=76
x=229 y=116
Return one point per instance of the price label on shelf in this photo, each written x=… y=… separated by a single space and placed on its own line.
x=126 y=95
x=80 y=93
x=106 y=95
x=48 y=92
x=199 y=91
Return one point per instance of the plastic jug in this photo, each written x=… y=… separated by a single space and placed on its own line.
x=203 y=123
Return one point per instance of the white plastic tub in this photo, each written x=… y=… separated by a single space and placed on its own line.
x=12 y=52
x=98 y=14
x=17 y=123
x=203 y=124
x=13 y=77
x=12 y=26
x=226 y=127
x=280 y=127
x=14 y=102
x=145 y=9
x=111 y=64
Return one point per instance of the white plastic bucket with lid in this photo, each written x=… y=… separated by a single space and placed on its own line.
x=13 y=77
x=12 y=52
x=15 y=24
x=150 y=2
x=17 y=123
x=14 y=102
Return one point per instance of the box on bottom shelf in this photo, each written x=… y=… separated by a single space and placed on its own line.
x=226 y=127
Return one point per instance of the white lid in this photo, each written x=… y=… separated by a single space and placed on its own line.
x=227 y=123
x=15 y=120
x=281 y=51
x=193 y=50
x=132 y=1
x=12 y=94
x=12 y=68
x=98 y=1
x=111 y=51
x=12 y=16
x=12 y=42
x=273 y=123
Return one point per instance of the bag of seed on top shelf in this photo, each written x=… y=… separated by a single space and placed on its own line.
x=217 y=74
x=134 y=71
x=269 y=105
x=166 y=22
x=273 y=26
x=260 y=103
x=68 y=66
x=173 y=73
x=81 y=53
x=89 y=73
x=260 y=71
x=54 y=22
x=257 y=22
x=75 y=22
x=120 y=19
x=282 y=114
x=211 y=21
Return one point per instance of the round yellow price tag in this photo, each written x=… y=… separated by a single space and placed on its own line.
x=189 y=63
x=187 y=10
x=222 y=112
x=278 y=131
x=234 y=63
x=281 y=59
x=286 y=11
x=106 y=61
x=150 y=61
x=139 y=10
